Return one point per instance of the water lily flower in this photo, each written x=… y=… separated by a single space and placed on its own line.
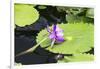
x=55 y=34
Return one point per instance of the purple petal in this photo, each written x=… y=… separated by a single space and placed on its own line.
x=54 y=28
x=58 y=29
x=59 y=39
x=56 y=34
x=52 y=36
x=59 y=34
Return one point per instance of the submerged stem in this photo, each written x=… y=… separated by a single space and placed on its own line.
x=31 y=49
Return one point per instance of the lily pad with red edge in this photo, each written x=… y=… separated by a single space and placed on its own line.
x=79 y=38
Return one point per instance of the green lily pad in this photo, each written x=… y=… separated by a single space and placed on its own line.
x=42 y=7
x=77 y=58
x=90 y=13
x=79 y=37
x=25 y=14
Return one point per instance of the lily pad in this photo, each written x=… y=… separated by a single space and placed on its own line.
x=77 y=58
x=42 y=7
x=25 y=14
x=79 y=37
x=90 y=13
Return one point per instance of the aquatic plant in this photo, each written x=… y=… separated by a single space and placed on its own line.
x=25 y=14
x=75 y=37
x=78 y=38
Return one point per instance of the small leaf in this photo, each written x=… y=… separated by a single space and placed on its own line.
x=90 y=13
x=76 y=11
x=76 y=19
x=42 y=7
x=25 y=14
x=78 y=38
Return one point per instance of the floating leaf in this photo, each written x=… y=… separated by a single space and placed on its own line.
x=72 y=18
x=61 y=8
x=75 y=19
x=77 y=14
x=73 y=10
x=25 y=14
x=42 y=7
x=76 y=11
x=78 y=38
x=77 y=58
x=90 y=13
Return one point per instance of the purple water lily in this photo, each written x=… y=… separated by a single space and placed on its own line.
x=55 y=34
